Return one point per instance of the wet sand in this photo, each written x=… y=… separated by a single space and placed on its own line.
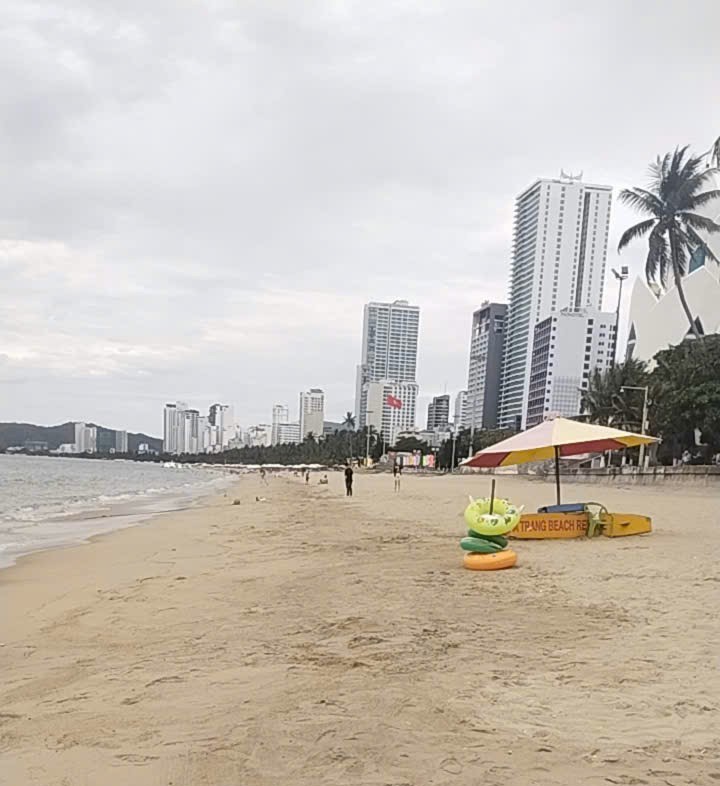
x=312 y=640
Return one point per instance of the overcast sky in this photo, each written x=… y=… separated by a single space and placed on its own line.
x=198 y=197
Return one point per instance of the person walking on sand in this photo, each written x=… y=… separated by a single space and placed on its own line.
x=307 y=476
x=397 y=474
x=348 y=481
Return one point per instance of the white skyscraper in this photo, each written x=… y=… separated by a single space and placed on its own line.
x=567 y=346
x=389 y=355
x=391 y=407
x=85 y=438
x=312 y=412
x=280 y=416
x=221 y=416
x=459 y=409
x=559 y=254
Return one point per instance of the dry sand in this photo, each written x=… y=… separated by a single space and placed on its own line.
x=316 y=640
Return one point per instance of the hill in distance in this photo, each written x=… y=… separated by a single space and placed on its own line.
x=12 y=434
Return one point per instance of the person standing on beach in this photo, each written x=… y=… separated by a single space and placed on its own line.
x=307 y=476
x=348 y=481
x=397 y=474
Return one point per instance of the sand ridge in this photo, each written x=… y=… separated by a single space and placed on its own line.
x=314 y=640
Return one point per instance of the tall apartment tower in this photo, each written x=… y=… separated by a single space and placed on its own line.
x=559 y=255
x=280 y=416
x=460 y=409
x=312 y=412
x=438 y=414
x=389 y=356
x=484 y=368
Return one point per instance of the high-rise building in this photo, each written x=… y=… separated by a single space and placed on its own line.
x=288 y=434
x=280 y=415
x=389 y=354
x=438 y=414
x=221 y=416
x=486 y=353
x=171 y=426
x=85 y=438
x=259 y=436
x=121 y=442
x=391 y=407
x=188 y=439
x=459 y=410
x=559 y=254
x=568 y=345
x=312 y=412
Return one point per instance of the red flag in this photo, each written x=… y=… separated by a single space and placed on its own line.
x=394 y=403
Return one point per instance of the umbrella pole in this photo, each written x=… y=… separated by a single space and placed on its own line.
x=492 y=494
x=557 y=473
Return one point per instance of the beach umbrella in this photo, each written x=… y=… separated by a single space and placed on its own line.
x=553 y=439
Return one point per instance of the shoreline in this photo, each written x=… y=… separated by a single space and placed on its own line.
x=102 y=518
x=316 y=640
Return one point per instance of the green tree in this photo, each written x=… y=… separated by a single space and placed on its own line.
x=685 y=390
x=674 y=194
x=410 y=444
x=604 y=402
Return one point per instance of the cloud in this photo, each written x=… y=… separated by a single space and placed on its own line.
x=199 y=197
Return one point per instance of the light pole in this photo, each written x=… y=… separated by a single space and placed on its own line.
x=643 y=425
x=454 y=441
x=472 y=425
x=621 y=276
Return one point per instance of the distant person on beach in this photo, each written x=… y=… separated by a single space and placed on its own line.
x=348 y=481
x=397 y=474
x=307 y=476
x=262 y=475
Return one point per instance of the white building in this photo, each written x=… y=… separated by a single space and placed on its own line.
x=312 y=412
x=171 y=426
x=567 y=346
x=121 y=442
x=289 y=434
x=85 y=438
x=383 y=412
x=280 y=415
x=658 y=320
x=222 y=417
x=438 y=416
x=459 y=410
x=559 y=254
x=259 y=436
x=485 y=366
x=389 y=352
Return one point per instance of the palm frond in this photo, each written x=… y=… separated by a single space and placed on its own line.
x=643 y=201
x=698 y=200
x=635 y=232
x=699 y=222
x=687 y=189
x=694 y=241
x=715 y=152
x=678 y=251
x=657 y=263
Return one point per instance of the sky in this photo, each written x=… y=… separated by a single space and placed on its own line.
x=198 y=197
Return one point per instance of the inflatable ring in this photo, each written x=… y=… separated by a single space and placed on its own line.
x=496 y=561
x=479 y=546
x=504 y=518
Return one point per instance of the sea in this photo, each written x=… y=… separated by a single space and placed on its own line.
x=48 y=502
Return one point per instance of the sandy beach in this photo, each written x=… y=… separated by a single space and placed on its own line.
x=311 y=639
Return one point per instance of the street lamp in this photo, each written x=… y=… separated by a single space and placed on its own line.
x=454 y=441
x=643 y=425
x=621 y=276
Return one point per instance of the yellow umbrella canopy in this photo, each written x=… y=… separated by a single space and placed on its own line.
x=554 y=439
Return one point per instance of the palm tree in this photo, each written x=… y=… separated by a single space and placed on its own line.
x=349 y=425
x=670 y=200
x=603 y=401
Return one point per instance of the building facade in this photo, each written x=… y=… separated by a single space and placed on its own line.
x=567 y=346
x=438 y=414
x=558 y=261
x=312 y=412
x=459 y=410
x=85 y=438
x=391 y=407
x=288 y=433
x=658 y=320
x=485 y=366
x=280 y=415
x=389 y=352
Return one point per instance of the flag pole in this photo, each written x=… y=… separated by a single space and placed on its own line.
x=557 y=473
